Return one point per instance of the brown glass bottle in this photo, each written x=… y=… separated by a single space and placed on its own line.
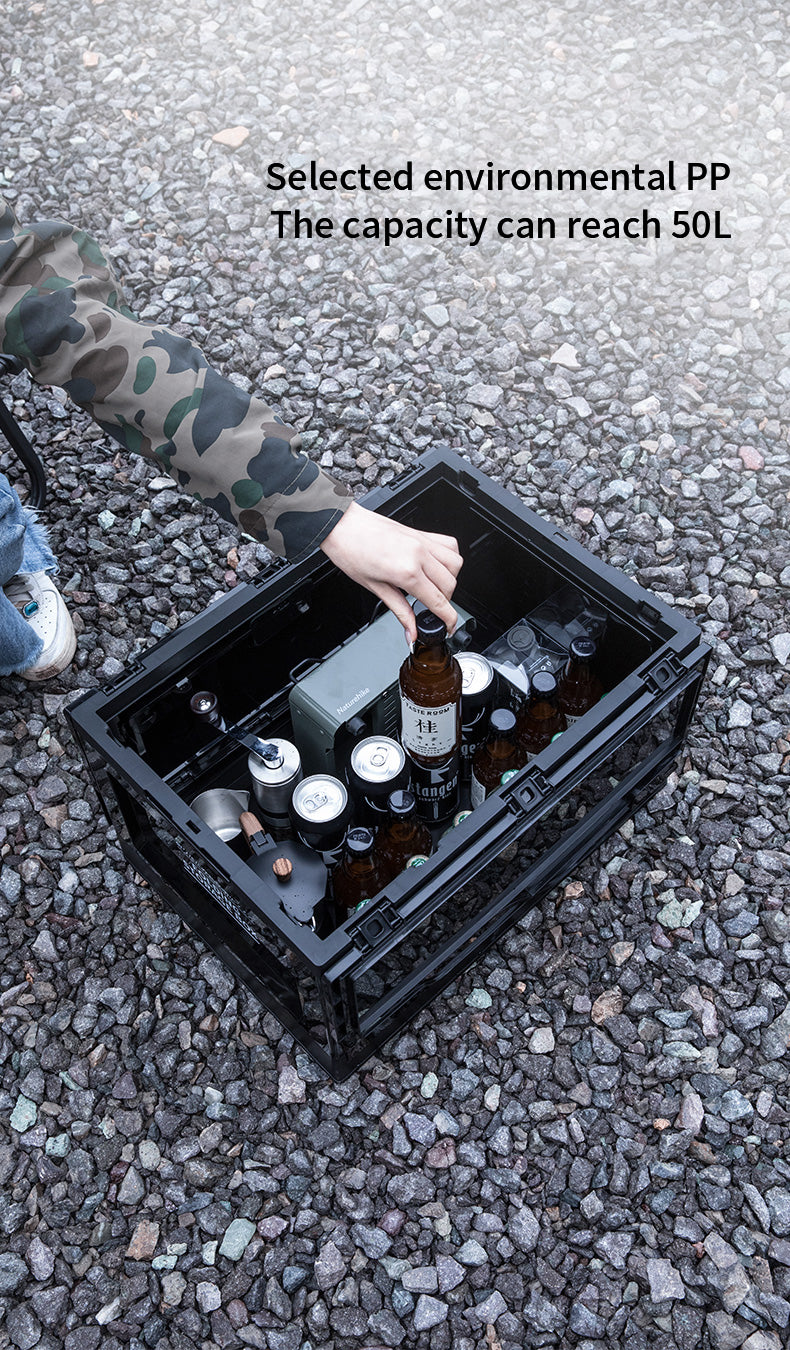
x=359 y=874
x=430 y=695
x=496 y=755
x=430 y=690
x=579 y=688
x=403 y=836
x=540 y=720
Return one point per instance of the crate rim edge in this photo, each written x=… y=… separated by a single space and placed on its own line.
x=86 y=713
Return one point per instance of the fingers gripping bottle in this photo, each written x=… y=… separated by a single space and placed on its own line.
x=430 y=693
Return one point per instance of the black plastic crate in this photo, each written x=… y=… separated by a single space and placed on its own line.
x=343 y=995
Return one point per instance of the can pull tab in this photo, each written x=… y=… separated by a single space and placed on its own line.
x=205 y=707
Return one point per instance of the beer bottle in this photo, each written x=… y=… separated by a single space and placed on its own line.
x=359 y=874
x=579 y=688
x=540 y=719
x=403 y=836
x=498 y=754
x=430 y=696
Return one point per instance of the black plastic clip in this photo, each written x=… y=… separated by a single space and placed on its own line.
x=373 y=924
x=534 y=788
x=133 y=667
x=664 y=674
x=411 y=471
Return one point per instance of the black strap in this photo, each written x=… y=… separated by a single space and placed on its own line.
x=11 y=365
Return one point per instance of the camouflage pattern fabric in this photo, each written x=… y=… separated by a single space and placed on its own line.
x=62 y=312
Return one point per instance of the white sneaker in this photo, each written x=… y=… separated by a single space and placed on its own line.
x=39 y=601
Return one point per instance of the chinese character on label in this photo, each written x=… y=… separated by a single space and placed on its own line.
x=428 y=731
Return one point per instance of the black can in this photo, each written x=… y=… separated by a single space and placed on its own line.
x=436 y=789
x=377 y=767
x=320 y=812
x=477 y=696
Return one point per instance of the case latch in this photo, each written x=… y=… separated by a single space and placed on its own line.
x=664 y=674
x=373 y=924
x=131 y=668
x=533 y=789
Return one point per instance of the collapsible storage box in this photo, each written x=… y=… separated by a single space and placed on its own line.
x=343 y=995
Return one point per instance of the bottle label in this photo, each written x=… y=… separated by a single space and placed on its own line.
x=438 y=791
x=570 y=720
x=428 y=731
x=476 y=791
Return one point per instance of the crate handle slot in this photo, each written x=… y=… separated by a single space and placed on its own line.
x=303 y=668
x=468 y=482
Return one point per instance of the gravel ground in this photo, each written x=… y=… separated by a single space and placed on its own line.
x=584 y=1141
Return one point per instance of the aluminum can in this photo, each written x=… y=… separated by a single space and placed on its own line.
x=320 y=811
x=377 y=767
x=477 y=694
x=273 y=780
x=478 y=680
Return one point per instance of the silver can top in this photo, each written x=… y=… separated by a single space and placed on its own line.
x=377 y=759
x=282 y=768
x=319 y=798
x=477 y=672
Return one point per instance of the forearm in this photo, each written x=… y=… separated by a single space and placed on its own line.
x=62 y=312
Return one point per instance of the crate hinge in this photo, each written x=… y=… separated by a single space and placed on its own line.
x=532 y=789
x=666 y=672
x=133 y=667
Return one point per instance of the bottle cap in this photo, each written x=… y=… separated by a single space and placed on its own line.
x=402 y=803
x=430 y=627
x=502 y=721
x=204 y=704
x=359 y=841
x=544 y=684
x=583 y=648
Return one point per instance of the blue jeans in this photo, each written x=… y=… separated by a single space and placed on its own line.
x=23 y=548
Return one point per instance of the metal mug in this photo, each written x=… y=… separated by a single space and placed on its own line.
x=220 y=808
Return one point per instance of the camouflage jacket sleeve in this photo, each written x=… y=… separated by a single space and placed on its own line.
x=62 y=313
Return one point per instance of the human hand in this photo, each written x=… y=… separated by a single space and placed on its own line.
x=389 y=559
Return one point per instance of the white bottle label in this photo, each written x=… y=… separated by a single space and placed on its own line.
x=428 y=731
x=571 y=720
x=477 y=792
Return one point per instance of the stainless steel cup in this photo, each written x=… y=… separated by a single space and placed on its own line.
x=221 y=808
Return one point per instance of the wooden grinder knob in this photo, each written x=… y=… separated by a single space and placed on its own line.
x=282 y=868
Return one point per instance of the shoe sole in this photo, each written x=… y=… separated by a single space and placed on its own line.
x=55 y=667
